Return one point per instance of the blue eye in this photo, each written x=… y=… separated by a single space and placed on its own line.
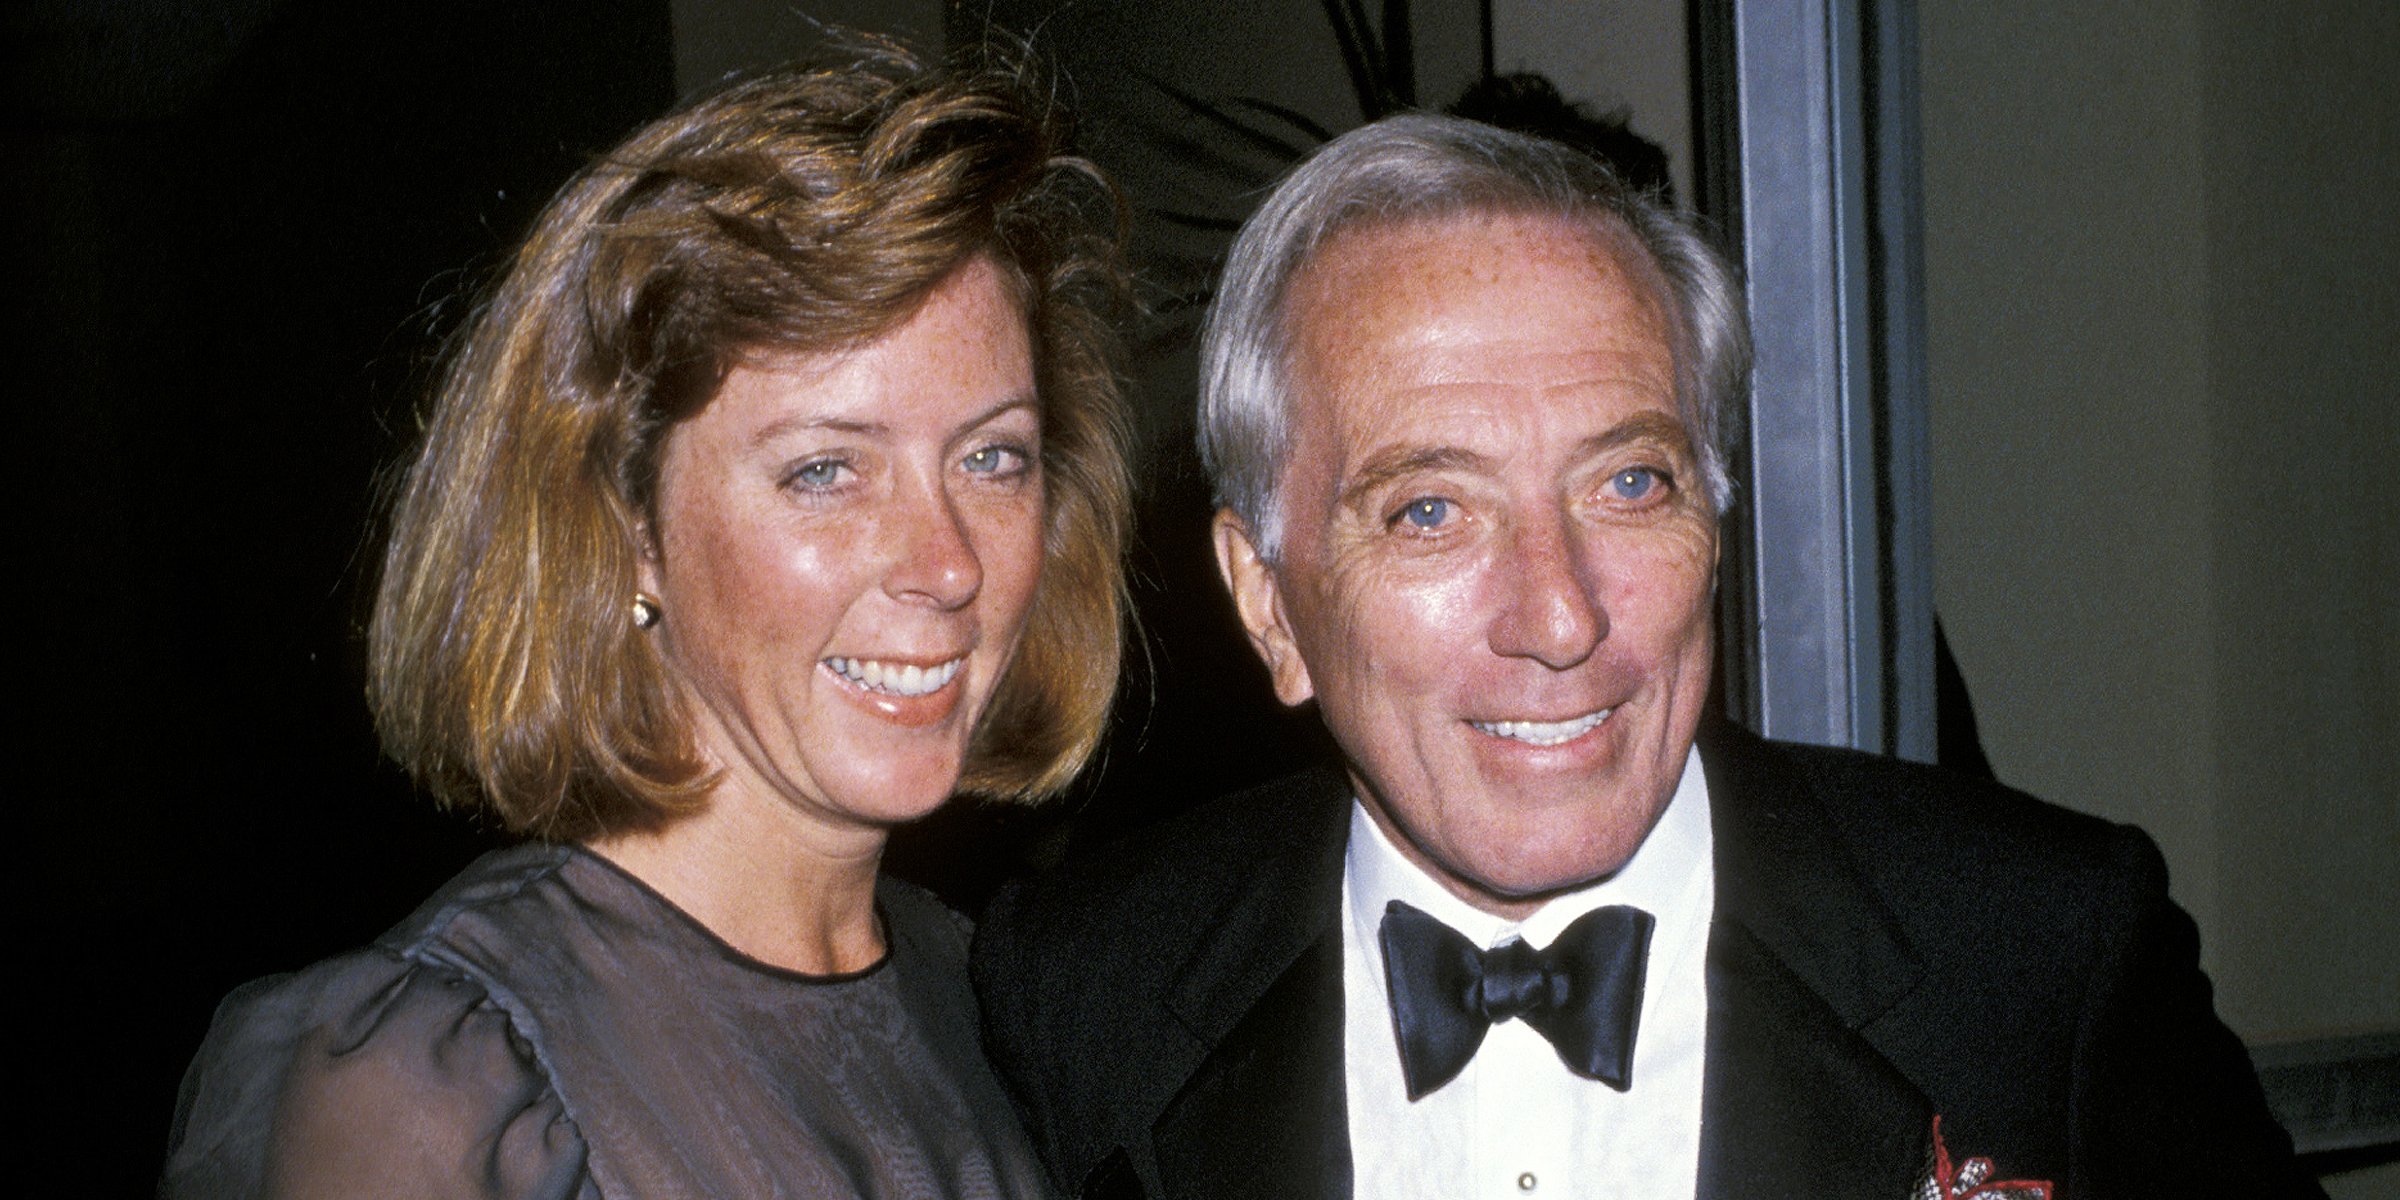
x=1000 y=462
x=1636 y=483
x=1426 y=512
x=819 y=474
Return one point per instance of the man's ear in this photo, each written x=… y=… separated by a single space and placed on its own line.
x=1259 y=603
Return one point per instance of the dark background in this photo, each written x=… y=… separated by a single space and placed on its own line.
x=243 y=232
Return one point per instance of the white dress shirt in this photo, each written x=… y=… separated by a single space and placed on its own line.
x=1516 y=1124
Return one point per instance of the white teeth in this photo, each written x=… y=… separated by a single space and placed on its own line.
x=1545 y=733
x=898 y=679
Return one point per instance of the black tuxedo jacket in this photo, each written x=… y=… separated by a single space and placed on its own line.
x=1890 y=944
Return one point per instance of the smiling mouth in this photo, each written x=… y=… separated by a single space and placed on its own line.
x=896 y=679
x=1544 y=733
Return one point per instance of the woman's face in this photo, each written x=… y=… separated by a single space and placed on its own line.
x=845 y=548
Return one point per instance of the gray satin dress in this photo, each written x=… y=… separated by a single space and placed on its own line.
x=547 y=1026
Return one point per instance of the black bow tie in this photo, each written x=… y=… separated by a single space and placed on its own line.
x=1583 y=992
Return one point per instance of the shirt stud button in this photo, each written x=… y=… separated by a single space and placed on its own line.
x=1526 y=1182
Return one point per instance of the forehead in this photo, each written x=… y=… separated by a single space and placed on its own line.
x=1471 y=313
x=964 y=348
x=1372 y=276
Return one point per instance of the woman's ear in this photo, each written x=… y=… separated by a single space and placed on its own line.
x=1258 y=600
x=647 y=567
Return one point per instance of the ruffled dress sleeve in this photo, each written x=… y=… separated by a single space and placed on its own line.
x=370 y=1075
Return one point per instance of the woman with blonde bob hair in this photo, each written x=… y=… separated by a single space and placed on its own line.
x=775 y=497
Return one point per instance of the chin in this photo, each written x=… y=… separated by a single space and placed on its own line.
x=895 y=799
x=1521 y=886
x=1543 y=863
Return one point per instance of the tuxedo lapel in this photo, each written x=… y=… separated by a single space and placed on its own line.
x=1795 y=1102
x=1265 y=1116
x=1802 y=955
x=1264 y=1113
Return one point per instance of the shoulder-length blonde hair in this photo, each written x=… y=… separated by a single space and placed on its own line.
x=803 y=210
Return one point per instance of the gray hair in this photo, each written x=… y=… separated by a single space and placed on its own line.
x=1417 y=166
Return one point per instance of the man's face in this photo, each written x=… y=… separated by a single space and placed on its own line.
x=1498 y=553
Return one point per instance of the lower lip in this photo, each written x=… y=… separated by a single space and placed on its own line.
x=914 y=712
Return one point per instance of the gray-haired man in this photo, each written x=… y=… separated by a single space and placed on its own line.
x=1538 y=933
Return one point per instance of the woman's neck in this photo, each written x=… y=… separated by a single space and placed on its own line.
x=760 y=877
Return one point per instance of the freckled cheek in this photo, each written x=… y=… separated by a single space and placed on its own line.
x=1008 y=548
x=776 y=585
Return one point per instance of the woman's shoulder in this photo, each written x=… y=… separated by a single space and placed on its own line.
x=377 y=1064
x=504 y=888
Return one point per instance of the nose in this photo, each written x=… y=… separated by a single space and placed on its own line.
x=936 y=564
x=1552 y=610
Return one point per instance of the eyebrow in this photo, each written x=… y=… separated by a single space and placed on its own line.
x=1020 y=400
x=790 y=425
x=1401 y=461
x=1398 y=462
x=1644 y=426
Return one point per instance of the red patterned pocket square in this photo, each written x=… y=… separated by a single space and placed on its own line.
x=1972 y=1179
